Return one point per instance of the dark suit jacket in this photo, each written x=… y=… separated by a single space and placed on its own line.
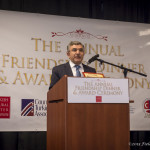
x=59 y=71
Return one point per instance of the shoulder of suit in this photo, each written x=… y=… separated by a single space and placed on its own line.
x=60 y=66
x=87 y=66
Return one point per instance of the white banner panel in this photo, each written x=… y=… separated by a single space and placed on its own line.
x=32 y=44
x=97 y=90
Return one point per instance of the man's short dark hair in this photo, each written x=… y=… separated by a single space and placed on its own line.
x=74 y=43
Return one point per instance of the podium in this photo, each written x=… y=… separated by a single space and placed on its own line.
x=85 y=126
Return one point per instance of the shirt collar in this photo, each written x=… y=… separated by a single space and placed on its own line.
x=72 y=64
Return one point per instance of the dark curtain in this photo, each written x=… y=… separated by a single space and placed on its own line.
x=139 y=140
x=119 y=10
x=22 y=140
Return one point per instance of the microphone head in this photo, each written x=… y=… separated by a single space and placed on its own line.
x=93 y=58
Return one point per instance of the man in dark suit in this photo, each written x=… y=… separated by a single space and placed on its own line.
x=75 y=67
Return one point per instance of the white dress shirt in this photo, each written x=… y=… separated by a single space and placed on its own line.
x=73 y=68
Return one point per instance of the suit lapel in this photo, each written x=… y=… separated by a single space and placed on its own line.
x=68 y=69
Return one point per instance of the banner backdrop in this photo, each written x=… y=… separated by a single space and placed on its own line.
x=32 y=44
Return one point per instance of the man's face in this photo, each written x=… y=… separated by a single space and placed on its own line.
x=76 y=54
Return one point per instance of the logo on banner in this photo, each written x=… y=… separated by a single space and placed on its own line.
x=4 y=107
x=27 y=107
x=98 y=99
x=33 y=107
x=146 y=108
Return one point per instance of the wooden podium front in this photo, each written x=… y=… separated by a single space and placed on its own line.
x=85 y=126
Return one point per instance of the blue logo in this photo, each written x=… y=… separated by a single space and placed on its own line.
x=27 y=107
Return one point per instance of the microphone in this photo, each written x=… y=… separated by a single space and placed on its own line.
x=93 y=59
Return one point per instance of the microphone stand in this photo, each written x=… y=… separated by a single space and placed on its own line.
x=125 y=70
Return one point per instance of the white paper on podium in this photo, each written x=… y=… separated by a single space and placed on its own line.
x=97 y=90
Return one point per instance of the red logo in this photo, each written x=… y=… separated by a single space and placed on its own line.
x=147 y=106
x=4 y=107
x=99 y=99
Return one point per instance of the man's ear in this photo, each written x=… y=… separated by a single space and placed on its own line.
x=68 y=53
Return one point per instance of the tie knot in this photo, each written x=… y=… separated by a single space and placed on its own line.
x=77 y=66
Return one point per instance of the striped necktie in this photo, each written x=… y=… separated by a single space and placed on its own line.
x=78 y=74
